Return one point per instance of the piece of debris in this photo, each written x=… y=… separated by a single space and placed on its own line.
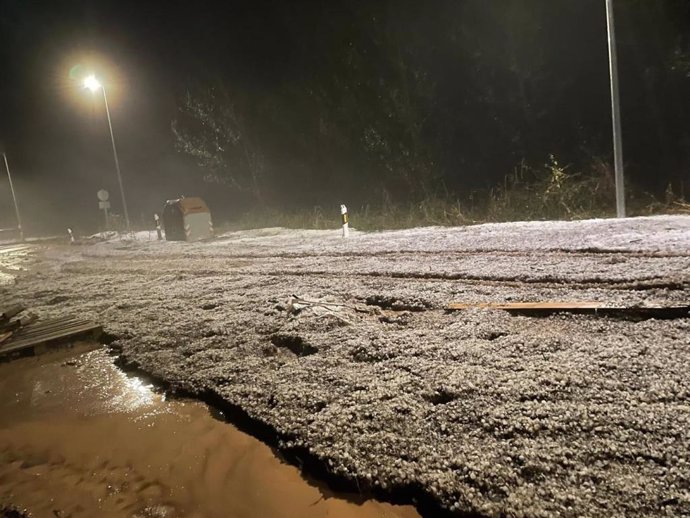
x=297 y=304
x=187 y=219
x=22 y=336
x=11 y=311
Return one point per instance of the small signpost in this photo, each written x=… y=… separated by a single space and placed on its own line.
x=104 y=205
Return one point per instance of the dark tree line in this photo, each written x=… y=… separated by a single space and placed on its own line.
x=400 y=100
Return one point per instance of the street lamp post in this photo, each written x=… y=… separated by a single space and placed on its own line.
x=94 y=84
x=615 y=111
x=14 y=199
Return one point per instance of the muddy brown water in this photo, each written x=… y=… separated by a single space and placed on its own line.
x=78 y=437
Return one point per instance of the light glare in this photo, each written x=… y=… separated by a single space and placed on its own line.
x=92 y=83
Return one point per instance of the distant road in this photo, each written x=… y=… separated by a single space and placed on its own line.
x=13 y=257
x=11 y=248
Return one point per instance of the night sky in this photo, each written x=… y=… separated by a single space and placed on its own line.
x=286 y=60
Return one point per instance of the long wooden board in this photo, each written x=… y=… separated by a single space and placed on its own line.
x=46 y=334
x=580 y=307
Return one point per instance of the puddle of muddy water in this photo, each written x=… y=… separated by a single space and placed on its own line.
x=78 y=437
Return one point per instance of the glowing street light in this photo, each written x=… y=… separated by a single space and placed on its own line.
x=93 y=84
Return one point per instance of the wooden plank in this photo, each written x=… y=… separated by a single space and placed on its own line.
x=33 y=329
x=37 y=337
x=56 y=332
x=74 y=334
x=47 y=327
x=49 y=332
x=528 y=305
x=580 y=307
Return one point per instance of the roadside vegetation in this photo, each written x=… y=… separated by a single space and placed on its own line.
x=550 y=192
x=469 y=112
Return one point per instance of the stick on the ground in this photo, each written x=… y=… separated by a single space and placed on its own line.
x=580 y=307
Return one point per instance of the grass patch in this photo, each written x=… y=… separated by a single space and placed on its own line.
x=551 y=192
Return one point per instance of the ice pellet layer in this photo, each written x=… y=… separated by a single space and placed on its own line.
x=567 y=415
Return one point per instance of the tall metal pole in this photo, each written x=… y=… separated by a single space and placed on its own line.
x=616 y=112
x=117 y=162
x=14 y=198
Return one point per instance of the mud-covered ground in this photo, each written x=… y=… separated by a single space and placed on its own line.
x=478 y=410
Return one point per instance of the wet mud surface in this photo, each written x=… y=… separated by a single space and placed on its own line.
x=79 y=437
x=471 y=412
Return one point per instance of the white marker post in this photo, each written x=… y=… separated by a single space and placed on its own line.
x=158 y=227
x=346 y=225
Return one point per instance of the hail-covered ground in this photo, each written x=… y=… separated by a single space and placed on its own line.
x=479 y=410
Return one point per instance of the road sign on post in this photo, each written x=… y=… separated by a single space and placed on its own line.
x=104 y=205
x=157 y=219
